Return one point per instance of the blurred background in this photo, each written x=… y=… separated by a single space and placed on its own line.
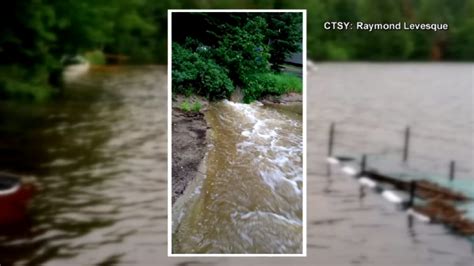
x=38 y=37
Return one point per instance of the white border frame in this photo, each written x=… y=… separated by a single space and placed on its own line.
x=305 y=186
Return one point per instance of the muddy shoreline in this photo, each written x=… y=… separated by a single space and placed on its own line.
x=189 y=144
x=189 y=137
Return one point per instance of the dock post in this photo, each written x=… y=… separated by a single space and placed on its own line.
x=407 y=144
x=412 y=193
x=331 y=139
x=452 y=170
x=330 y=146
x=363 y=163
x=361 y=192
x=472 y=244
x=410 y=222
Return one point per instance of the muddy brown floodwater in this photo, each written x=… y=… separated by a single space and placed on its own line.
x=100 y=154
x=249 y=200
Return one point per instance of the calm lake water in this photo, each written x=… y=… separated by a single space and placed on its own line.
x=100 y=155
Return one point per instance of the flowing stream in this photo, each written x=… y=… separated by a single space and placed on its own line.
x=250 y=198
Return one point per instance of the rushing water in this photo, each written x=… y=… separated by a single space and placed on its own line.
x=100 y=155
x=250 y=200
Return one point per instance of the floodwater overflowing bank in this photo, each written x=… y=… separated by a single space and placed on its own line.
x=250 y=198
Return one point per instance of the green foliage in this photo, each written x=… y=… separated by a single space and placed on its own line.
x=259 y=85
x=29 y=92
x=95 y=57
x=212 y=53
x=35 y=90
x=242 y=48
x=134 y=30
x=284 y=34
x=185 y=106
x=196 y=107
x=194 y=72
x=188 y=107
x=36 y=34
x=454 y=44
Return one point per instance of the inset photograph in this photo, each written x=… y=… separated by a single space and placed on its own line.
x=237 y=122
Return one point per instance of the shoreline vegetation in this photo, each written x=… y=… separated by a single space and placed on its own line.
x=36 y=35
x=216 y=54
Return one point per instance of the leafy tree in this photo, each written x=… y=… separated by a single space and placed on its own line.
x=242 y=49
x=194 y=72
x=232 y=49
x=284 y=35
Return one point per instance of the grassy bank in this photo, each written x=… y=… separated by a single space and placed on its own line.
x=260 y=85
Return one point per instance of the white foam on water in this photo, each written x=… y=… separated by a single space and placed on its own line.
x=245 y=133
x=280 y=161
x=349 y=170
x=271 y=215
x=419 y=216
x=392 y=196
x=272 y=178
x=367 y=182
x=333 y=160
x=276 y=149
x=276 y=178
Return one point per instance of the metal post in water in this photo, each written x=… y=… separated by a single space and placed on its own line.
x=361 y=192
x=407 y=144
x=412 y=193
x=331 y=139
x=410 y=222
x=452 y=169
x=363 y=163
x=472 y=244
x=330 y=147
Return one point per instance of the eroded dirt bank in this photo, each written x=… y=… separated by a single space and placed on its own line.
x=188 y=148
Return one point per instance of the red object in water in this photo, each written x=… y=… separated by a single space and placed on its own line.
x=15 y=195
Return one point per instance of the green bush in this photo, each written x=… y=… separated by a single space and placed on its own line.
x=196 y=107
x=259 y=85
x=194 y=72
x=243 y=50
x=96 y=57
x=11 y=89
x=185 y=106
x=24 y=84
